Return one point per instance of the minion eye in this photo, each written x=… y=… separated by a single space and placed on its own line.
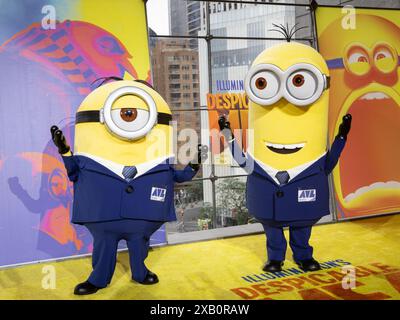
x=383 y=53
x=130 y=119
x=385 y=58
x=358 y=57
x=128 y=114
x=261 y=83
x=298 y=80
x=264 y=84
x=302 y=84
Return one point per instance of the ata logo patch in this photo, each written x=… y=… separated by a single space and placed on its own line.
x=158 y=194
x=307 y=195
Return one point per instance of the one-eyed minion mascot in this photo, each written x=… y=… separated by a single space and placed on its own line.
x=123 y=174
x=287 y=184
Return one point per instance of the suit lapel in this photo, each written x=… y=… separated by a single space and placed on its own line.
x=261 y=171
x=315 y=168
x=160 y=167
x=91 y=165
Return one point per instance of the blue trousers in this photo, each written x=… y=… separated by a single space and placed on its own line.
x=299 y=233
x=106 y=236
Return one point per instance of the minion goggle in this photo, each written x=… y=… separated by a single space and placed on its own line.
x=301 y=84
x=359 y=60
x=126 y=123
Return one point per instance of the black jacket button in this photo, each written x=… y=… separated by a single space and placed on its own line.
x=279 y=194
x=129 y=189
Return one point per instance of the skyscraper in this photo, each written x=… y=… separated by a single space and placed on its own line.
x=185 y=19
x=176 y=78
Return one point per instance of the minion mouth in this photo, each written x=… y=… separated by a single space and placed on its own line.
x=375 y=127
x=285 y=148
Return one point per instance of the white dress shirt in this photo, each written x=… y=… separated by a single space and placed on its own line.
x=117 y=168
x=293 y=172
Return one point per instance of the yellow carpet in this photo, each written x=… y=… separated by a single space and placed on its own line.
x=231 y=269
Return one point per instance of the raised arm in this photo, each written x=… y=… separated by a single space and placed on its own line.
x=234 y=147
x=338 y=144
x=193 y=167
x=65 y=151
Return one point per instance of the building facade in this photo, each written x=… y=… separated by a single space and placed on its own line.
x=176 y=78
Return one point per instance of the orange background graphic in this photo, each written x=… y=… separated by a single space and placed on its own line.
x=363 y=61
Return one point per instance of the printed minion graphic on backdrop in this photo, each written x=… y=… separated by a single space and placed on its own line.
x=362 y=48
x=51 y=52
x=123 y=174
x=287 y=86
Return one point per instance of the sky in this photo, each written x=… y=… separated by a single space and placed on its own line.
x=157 y=16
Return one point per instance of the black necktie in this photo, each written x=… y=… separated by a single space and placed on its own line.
x=129 y=172
x=283 y=177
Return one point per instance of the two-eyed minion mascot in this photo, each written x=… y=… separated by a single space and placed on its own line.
x=123 y=175
x=287 y=160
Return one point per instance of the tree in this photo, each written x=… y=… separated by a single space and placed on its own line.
x=231 y=196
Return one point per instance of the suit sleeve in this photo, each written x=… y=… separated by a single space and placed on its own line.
x=334 y=154
x=72 y=167
x=186 y=174
x=238 y=154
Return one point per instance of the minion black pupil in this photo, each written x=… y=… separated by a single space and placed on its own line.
x=128 y=113
x=261 y=83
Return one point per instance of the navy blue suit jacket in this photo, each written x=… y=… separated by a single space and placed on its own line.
x=102 y=195
x=305 y=197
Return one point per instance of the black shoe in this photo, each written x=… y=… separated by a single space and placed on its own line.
x=273 y=266
x=309 y=265
x=85 y=288
x=151 y=278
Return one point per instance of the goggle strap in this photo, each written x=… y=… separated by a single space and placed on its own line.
x=164 y=118
x=327 y=82
x=87 y=116
x=94 y=116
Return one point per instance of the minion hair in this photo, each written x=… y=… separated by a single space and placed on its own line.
x=106 y=79
x=145 y=82
x=287 y=32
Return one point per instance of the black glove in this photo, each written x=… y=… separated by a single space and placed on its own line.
x=202 y=155
x=225 y=127
x=345 y=126
x=59 y=140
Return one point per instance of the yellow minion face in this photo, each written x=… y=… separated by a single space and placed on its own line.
x=126 y=122
x=364 y=65
x=288 y=109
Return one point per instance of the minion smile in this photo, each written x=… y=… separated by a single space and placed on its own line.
x=285 y=148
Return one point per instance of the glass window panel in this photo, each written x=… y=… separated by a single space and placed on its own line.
x=175 y=68
x=231 y=202
x=228 y=71
x=194 y=209
x=158 y=17
x=187 y=70
x=183 y=17
x=254 y=20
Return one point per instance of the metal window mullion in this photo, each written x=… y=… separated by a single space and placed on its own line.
x=220 y=177
x=257 y=3
x=293 y=4
x=257 y=38
x=227 y=37
x=208 y=39
x=192 y=109
x=355 y=7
